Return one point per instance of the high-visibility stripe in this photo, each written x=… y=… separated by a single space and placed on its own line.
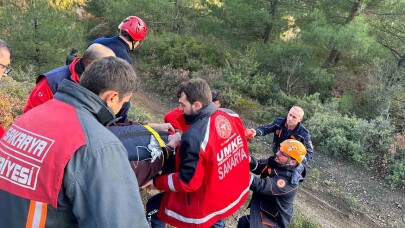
x=43 y=215
x=157 y=136
x=37 y=215
x=233 y=114
x=207 y=135
x=171 y=183
x=208 y=217
x=30 y=214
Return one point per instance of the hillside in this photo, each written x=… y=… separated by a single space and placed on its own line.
x=335 y=194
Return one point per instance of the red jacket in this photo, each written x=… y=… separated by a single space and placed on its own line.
x=176 y=119
x=212 y=177
x=1 y=131
x=42 y=92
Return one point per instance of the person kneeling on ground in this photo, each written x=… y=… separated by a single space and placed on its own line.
x=274 y=192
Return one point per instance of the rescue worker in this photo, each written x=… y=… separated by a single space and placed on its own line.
x=211 y=180
x=286 y=128
x=48 y=83
x=132 y=31
x=61 y=167
x=176 y=118
x=5 y=69
x=274 y=192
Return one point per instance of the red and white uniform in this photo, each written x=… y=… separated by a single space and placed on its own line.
x=211 y=181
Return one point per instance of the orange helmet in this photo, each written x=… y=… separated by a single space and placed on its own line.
x=294 y=149
x=135 y=27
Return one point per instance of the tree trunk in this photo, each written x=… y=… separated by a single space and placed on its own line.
x=176 y=26
x=269 y=26
x=334 y=53
x=332 y=58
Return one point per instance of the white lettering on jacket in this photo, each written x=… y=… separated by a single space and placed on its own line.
x=26 y=143
x=230 y=156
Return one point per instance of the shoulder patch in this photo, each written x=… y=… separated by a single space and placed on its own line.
x=280 y=183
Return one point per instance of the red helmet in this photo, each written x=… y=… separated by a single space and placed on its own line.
x=135 y=27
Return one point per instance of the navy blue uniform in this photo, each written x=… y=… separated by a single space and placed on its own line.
x=281 y=133
x=273 y=194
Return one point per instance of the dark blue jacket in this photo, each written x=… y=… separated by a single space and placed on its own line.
x=273 y=193
x=56 y=76
x=281 y=133
x=117 y=44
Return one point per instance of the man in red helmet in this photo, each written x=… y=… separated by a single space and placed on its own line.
x=132 y=31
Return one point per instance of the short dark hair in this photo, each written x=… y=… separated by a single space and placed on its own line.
x=196 y=89
x=126 y=35
x=110 y=73
x=4 y=45
x=216 y=95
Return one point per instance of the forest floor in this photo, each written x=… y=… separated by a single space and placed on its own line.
x=335 y=193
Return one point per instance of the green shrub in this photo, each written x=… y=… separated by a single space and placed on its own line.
x=244 y=76
x=396 y=168
x=137 y=114
x=189 y=53
x=39 y=34
x=165 y=79
x=13 y=97
x=299 y=220
x=349 y=137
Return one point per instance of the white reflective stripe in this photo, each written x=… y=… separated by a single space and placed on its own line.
x=170 y=182
x=36 y=220
x=261 y=132
x=251 y=178
x=207 y=135
x=233 y=114
x=208 y=217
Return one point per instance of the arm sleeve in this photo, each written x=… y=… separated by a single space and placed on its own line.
x=305 y=138
x=271 y=186
x=261 y=164
x=40 y=94
x=106 y=191
x=176 y=119
x=269 y=128
x=309 y=146
x=191 y=174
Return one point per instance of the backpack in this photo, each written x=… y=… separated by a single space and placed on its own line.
x=146 y=148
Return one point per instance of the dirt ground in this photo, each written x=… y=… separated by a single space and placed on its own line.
x=335 y=194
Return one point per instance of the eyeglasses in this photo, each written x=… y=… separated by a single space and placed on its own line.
x=283 y=153
x=7 y=69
